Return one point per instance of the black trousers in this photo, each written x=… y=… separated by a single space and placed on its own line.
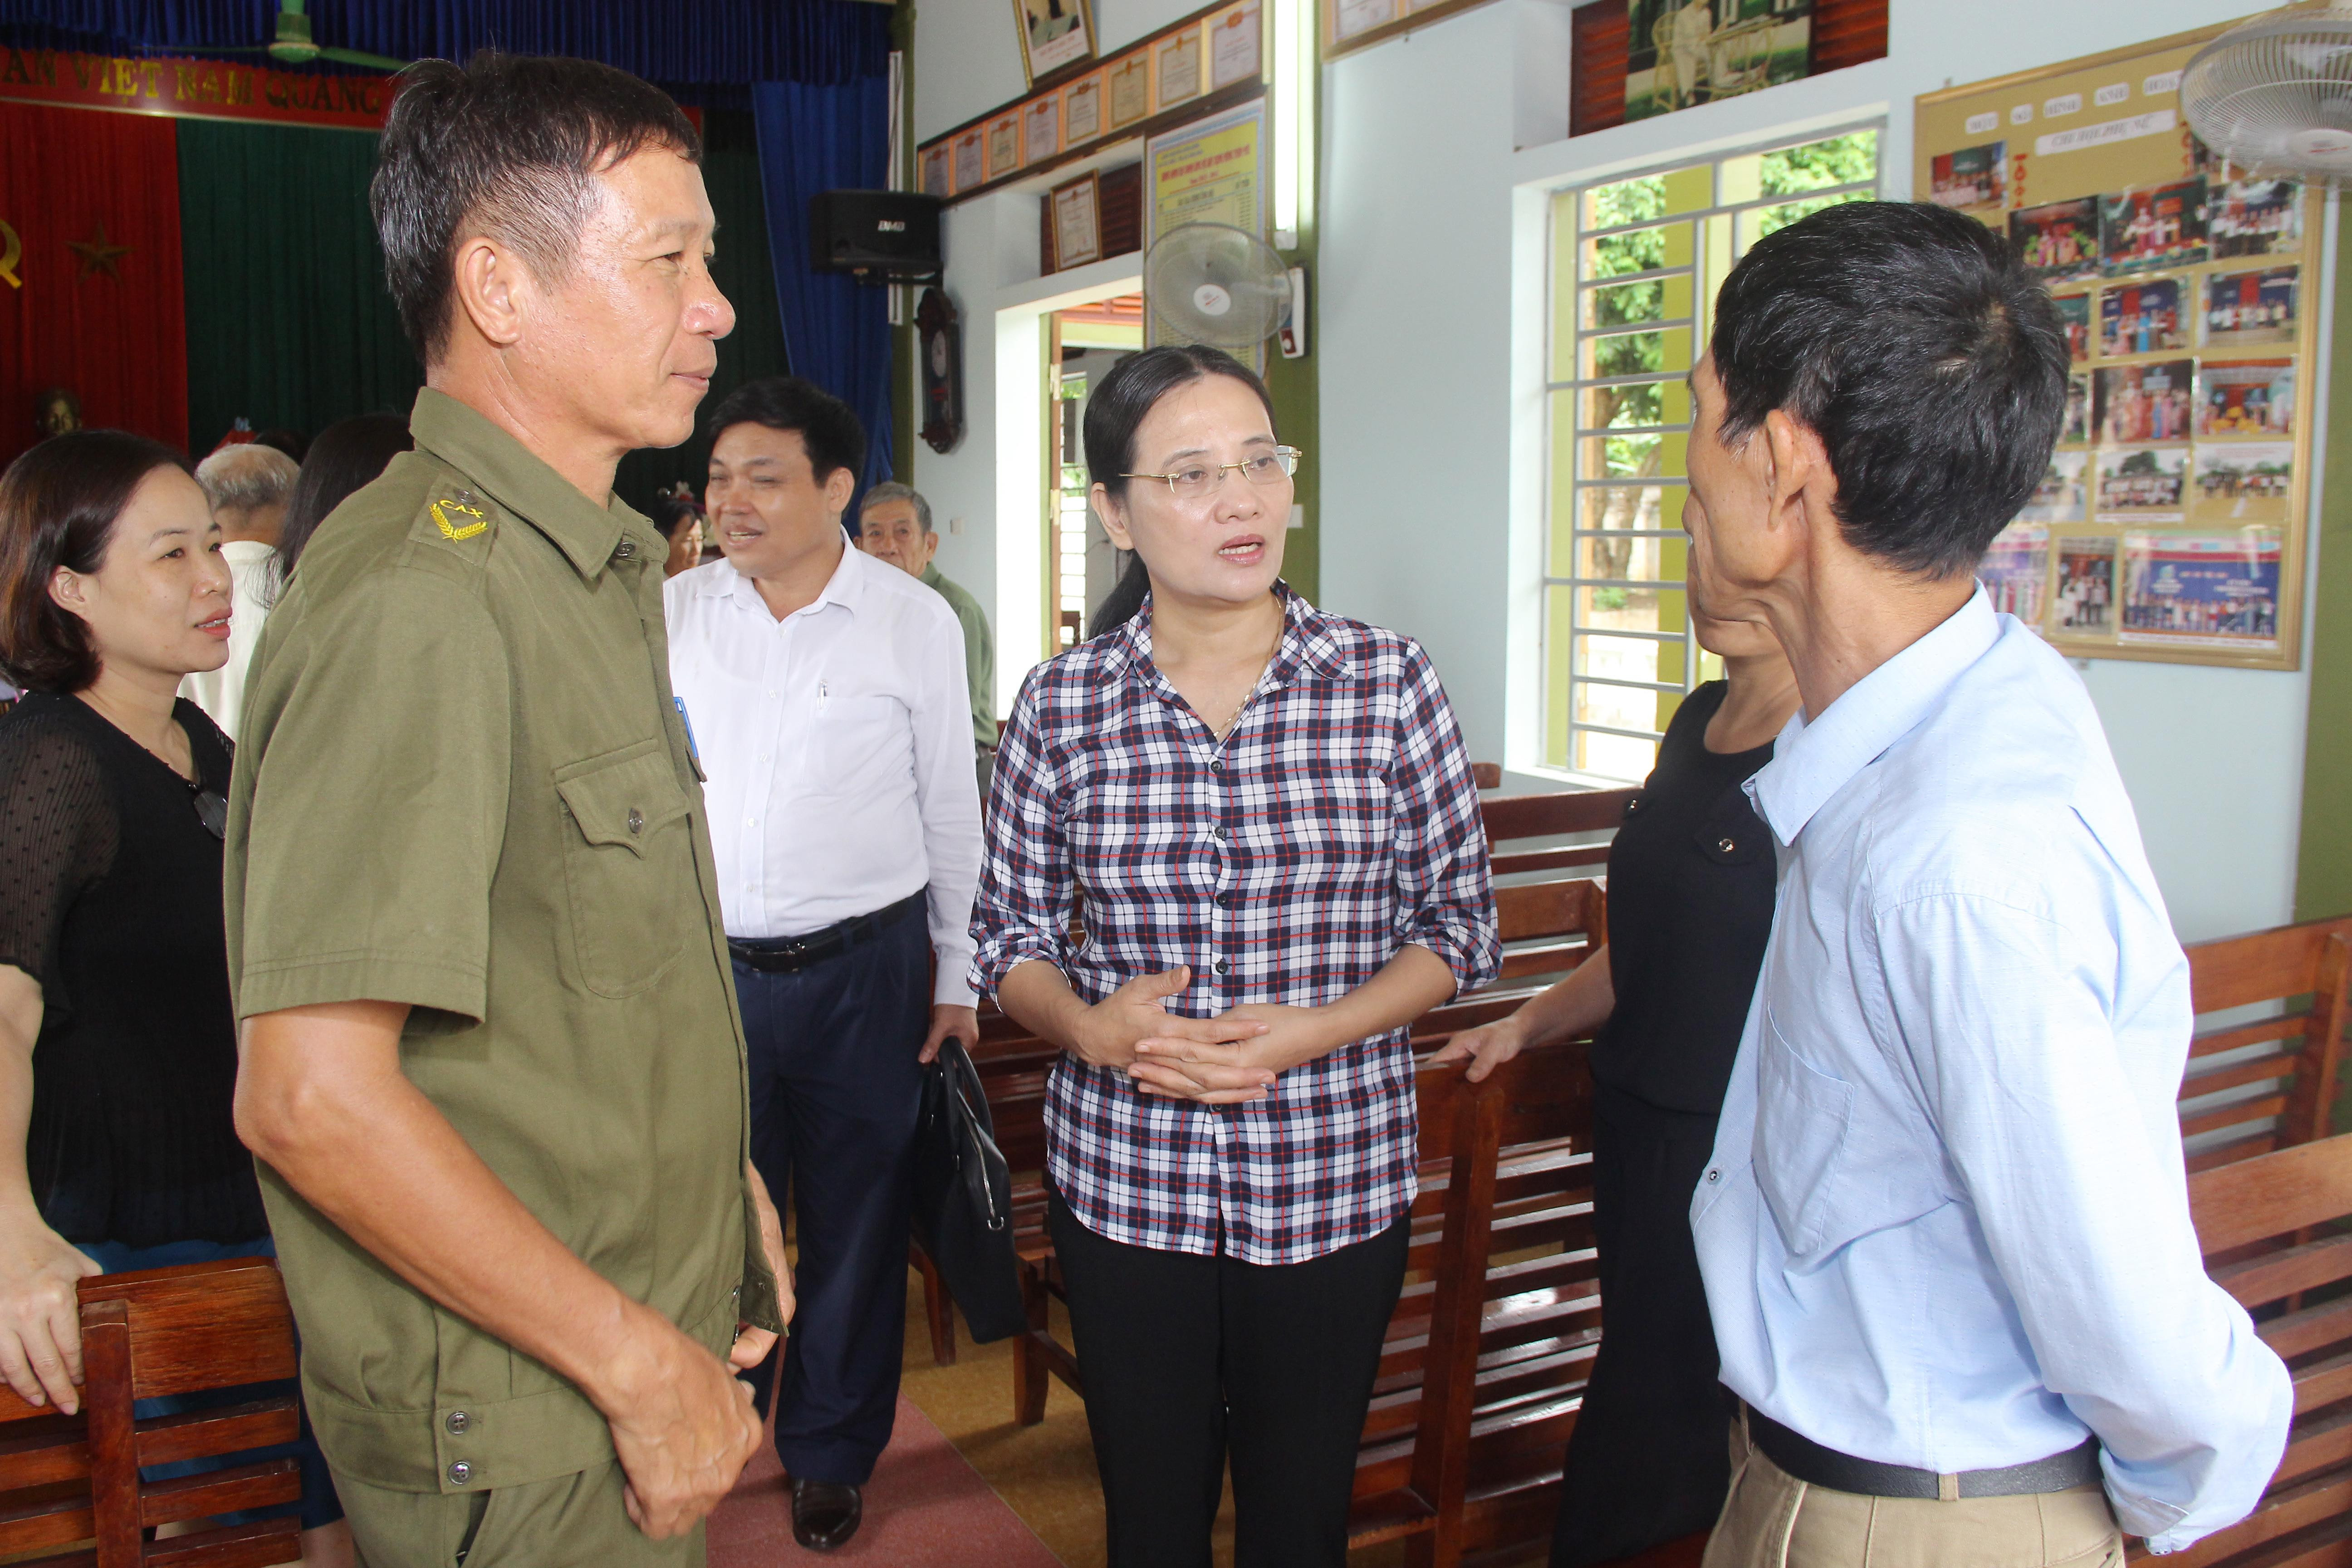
x=836 y=1092
x=1647 y=1461
x=1187 y=1358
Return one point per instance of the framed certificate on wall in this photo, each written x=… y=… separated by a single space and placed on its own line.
x=1078 y=222
x=1054 y=34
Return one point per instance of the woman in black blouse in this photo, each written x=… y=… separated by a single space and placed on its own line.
x=118 y=1053
x=1690 y=908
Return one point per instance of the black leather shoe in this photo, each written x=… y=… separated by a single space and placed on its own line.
x=825 y=1514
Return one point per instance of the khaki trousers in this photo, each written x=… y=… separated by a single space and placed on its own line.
x=571 y=1521
x=1770 y=1520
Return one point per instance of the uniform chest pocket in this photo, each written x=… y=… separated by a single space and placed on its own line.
x=1802 y=1120
x=628 y=866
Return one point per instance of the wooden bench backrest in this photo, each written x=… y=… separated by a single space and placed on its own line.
x=2268 y=1081
x=162 y=1331
x=2271 y=1229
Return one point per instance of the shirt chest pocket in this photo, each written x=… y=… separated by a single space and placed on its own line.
x=628 y=866
x=856 y=740
x=1802 y=1118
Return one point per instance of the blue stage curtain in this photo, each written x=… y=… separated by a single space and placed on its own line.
x=837 y=330
x=709 y=41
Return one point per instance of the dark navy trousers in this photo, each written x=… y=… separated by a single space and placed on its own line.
x=835 y=1091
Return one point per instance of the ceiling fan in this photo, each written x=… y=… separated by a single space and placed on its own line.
x=293 y=45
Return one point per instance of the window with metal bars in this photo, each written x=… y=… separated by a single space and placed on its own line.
x=1635 y=265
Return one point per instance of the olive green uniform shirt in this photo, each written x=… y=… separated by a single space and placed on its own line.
x=464 y=787
x=979 y=652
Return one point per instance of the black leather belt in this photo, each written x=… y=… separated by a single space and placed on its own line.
x=786 y=954
x=1807 y=1461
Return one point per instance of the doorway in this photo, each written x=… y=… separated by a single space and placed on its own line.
x=1081 y=563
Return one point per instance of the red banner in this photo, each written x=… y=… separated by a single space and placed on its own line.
x=211 y=89
x=91 y=300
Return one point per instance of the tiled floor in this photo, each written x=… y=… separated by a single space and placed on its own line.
x=925 y=1506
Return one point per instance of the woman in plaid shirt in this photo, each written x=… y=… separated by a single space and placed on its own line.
x=1262 y=819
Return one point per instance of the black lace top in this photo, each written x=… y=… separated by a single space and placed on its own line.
x=110 y=895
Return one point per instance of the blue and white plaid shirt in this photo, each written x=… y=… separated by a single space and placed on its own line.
x=1335 y=824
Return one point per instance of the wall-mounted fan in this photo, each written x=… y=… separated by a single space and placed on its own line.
x=1215 y=284
x=2273 y=94
x=293 y=44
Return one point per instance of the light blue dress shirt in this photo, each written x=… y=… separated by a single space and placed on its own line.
x=1945 y=1223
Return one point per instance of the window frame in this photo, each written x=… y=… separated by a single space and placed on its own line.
x=1560 y=726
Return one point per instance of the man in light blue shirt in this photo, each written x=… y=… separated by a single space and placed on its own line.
x=1944 y=1231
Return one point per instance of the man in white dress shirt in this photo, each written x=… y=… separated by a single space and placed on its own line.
x=1944 y=1230
x=249 y=485
x=824 y=690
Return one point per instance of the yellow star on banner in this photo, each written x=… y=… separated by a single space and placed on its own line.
x=96 y=255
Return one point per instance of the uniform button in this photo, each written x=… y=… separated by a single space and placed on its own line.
x=1726 y=846
x=457 y=1423
x=626 y=549
x=1715 y=1175
x=460 y=1472
x=1223 y=966
x=637 y=824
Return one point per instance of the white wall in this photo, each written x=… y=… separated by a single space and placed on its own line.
x=1432 y=313
x=984 y=492
x=1430 y=309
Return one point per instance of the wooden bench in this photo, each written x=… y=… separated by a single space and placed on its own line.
x=2273 y=1233
x=72 y=1481
x=2272 y=1007
x=1546 y=849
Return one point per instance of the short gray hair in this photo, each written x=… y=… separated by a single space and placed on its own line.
x=891 y=490
x=242 y=478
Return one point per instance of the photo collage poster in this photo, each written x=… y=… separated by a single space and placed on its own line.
x=2169 y=522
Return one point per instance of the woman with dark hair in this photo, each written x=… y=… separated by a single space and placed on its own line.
x=345 y=455
x=1690 y=908
x=1269 y=816
x=118 y=1053
x=1126 y=597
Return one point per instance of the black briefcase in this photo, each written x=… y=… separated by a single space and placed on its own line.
x=963 y=1197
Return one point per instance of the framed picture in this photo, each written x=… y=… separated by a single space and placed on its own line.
x=1349 y=19
x=2141 y=317
x=1129 y=88
x=1040 y=130
x=2202 y=588
x=2139 y=403
x=2248 y=397
x=970 y=160
x=2242 y=481
x=2075 y=315
x=1971 y=177
x=2058 y=240
x=2086 y=588
x=935 y=160
x=1004 y=146
x=2249 y=308
x=2142 y=484
x=1078 y=222
x=1236 y=42
x=2256 y=217
x=1679 y=53
x=1082 y=111
x=1176 y=69
x=2016 y=571
x=1054 y=34
x=2157 y=227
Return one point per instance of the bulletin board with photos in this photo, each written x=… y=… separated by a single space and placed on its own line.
x=2170 y=524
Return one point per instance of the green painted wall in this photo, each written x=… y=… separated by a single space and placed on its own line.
x=2323 y=886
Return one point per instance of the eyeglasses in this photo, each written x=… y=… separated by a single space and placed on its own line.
x=1196 y=479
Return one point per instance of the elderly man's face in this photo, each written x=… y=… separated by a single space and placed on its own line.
x=630 y=338
x=891 y=532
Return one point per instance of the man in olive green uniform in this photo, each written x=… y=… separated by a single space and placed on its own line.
x=489 y=1059
x=893 y=522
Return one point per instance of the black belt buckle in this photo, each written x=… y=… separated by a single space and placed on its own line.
x=1816 y=1465
x=790 y=955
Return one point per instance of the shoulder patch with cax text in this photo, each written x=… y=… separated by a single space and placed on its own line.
x=471 y=519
